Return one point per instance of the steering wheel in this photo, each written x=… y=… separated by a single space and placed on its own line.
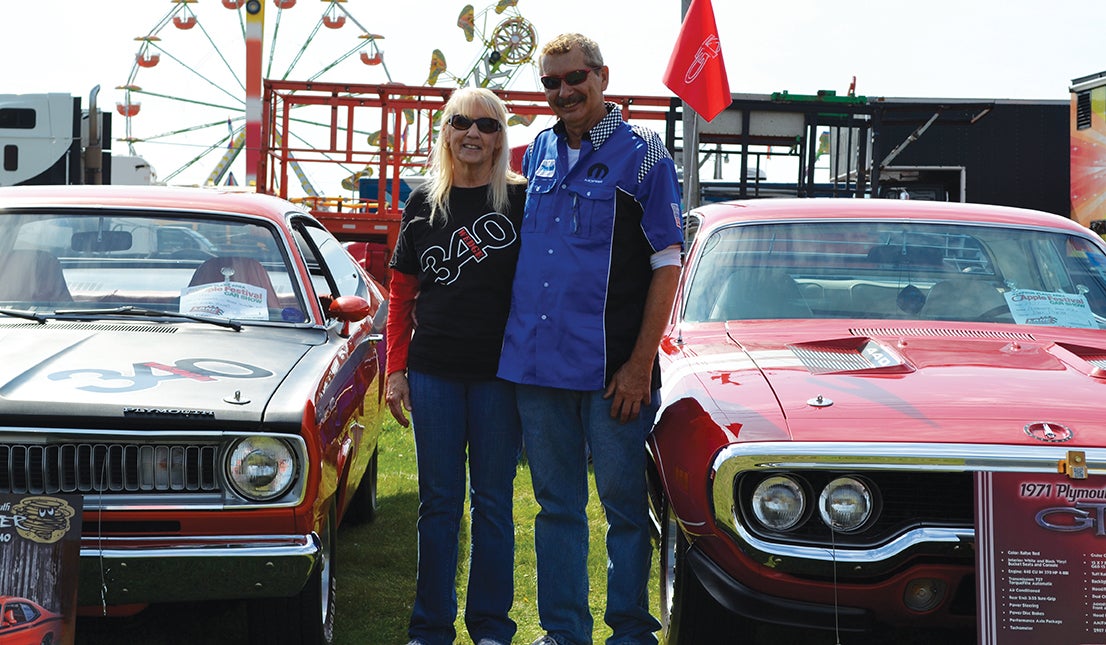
x=998 y=313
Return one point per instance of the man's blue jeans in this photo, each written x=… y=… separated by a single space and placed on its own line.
x=559 y=428
x=451 y=417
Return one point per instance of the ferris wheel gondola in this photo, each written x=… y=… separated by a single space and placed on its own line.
x=509 y=43
x=185 y=99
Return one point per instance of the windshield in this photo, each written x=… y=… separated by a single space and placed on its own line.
x=72 y=262
x=898 y=270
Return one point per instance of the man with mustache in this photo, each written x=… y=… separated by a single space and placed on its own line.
x=597 y=272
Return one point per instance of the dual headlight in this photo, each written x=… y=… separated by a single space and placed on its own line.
x=261 y=468
x=782 y=502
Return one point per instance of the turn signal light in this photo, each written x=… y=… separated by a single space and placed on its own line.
x=924 y=594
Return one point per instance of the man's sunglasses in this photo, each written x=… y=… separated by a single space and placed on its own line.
x=485 y=124
x=575 y=77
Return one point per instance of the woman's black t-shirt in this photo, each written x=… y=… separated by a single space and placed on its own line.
x=464 y=268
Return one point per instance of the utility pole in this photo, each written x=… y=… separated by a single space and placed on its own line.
x=690 y=157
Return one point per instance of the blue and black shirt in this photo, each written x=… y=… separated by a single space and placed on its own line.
x=587 y=236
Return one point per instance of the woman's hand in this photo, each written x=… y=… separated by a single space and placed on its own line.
x=397 y=394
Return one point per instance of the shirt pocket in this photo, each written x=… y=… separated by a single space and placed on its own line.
x=540 y=203
x=592 y=210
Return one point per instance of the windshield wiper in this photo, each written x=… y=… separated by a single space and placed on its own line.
x=25 y=314
x=142 y=311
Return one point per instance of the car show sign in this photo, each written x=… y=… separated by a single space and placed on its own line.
x=1041 y=557
x=227 y=299
x=39 y=553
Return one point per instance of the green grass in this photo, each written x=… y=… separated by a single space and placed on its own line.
x=376 y=574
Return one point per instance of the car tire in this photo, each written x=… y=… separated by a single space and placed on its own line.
x=48 y=639
x=308 y=617
x=689 y=615
x=362 y=507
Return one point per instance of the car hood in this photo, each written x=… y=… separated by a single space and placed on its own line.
x=60 y=370
x=906 y=384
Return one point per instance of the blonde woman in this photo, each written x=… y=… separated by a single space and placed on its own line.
x=451 y=271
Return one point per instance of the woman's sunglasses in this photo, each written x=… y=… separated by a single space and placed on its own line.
x=485 y=124
x=575 y=77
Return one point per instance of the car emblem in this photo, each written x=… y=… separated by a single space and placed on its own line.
x=1049 y=432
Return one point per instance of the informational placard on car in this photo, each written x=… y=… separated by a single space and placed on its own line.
x=226 y=299
x=1041 y=558
x=39 y=554
x=1051 y=309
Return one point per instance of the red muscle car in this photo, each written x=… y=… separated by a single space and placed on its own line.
x=24 y=622
x=203 y=367
x=837 y=376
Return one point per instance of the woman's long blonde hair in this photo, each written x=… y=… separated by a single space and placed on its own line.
x=465 y=101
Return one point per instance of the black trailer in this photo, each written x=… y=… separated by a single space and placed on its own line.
x=974 y=150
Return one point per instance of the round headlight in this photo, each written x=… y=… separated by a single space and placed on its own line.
x=779 y=503
x=261 y=468
x=845 y=504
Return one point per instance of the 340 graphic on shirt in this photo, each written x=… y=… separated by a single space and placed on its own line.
x=468 y=244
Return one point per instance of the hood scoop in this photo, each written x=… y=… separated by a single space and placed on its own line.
x=848 y=355
x=940 y=332
x=1090 y=360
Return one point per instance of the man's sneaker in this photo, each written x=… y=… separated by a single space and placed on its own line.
x=488 y=641
x=545 y=640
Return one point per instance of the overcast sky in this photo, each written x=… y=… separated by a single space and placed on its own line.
x=1005 y=49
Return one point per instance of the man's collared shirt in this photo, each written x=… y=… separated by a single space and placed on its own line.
x=583 y=272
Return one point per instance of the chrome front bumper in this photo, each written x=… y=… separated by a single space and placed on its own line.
x=119 y=571
x=940 y=542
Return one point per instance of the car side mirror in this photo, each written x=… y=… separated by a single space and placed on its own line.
x=348 y=309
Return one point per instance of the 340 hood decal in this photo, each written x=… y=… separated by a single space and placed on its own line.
x=151 y=374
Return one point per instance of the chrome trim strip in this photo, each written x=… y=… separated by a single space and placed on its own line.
x=863 y=456
x=139 y=546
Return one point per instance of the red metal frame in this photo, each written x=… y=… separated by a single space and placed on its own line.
x=391 y=104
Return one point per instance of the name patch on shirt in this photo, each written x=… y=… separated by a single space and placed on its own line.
x=548 y=168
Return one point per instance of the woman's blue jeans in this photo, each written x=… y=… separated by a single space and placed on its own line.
x=454 y=419
x=559 y=428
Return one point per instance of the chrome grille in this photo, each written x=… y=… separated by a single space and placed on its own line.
x=108 y=468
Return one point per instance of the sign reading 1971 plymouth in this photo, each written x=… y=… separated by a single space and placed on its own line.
x=836 y=377
x=215 y=406
x=1042 y=558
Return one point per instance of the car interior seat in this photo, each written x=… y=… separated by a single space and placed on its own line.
x=32 y=275
x=758 y=294
x=236 y=269
x=962 y=299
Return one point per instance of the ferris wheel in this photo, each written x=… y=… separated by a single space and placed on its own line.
x=509 y=44
x=185 y=101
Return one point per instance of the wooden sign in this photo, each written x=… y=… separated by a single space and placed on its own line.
x=39 y=553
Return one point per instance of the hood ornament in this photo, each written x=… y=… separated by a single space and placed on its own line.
x=1049 y=432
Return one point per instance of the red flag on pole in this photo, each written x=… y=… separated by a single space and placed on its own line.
x=696 y=72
